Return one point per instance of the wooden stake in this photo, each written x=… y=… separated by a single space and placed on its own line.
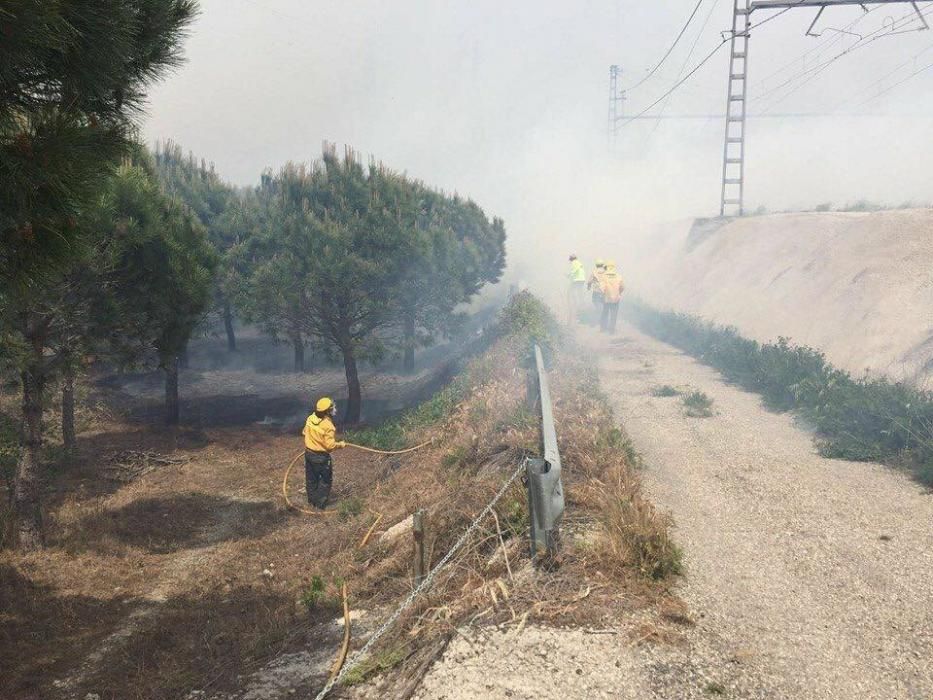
x=418 y=533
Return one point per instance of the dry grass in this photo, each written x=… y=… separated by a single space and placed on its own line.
x=184 y=546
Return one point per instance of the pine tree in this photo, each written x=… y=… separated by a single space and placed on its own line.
x=72 y=76
x=216 y=204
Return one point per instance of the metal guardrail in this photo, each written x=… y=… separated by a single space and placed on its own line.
x=545 y=490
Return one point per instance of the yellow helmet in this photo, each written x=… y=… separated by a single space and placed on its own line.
x=324 y=404
x=600 y=262
x=611 y=263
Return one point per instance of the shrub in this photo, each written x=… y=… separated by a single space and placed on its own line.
x=314 y=594
x=856 y=419
x=349 y=507
x=698 y=404
x=665 y=391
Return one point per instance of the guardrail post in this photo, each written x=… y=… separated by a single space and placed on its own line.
x=545 y=490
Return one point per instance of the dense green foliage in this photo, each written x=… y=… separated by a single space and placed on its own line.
x=216 y=204
x=72 y=75
x=360 y=260
x=858 y=419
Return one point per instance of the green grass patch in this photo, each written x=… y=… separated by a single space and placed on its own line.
x=698 y=404
x=873 y=419
x=665 y=391
x=376 y=663
x=349 y=507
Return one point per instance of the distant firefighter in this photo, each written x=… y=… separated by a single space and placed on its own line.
x=595 y=285
x=612 y=288
x=320 y=441
x=577 y=278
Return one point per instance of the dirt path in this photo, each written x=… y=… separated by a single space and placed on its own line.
x=815 y=574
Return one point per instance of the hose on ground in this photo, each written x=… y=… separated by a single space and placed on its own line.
x=291 y=465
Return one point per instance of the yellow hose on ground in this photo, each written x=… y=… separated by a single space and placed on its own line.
x=389 y=452
x=298 y=456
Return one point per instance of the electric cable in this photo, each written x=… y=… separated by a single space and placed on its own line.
x=883 y=78
x=897 y=84
x=670 y=50
x=821 y=46
x=676 y=85
x=683 y=67
x=813 y=71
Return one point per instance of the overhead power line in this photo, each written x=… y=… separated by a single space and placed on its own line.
x=693 y=47
x=670 y=50
x=897 y=84
x=811 y=73
x=824 y=44
x=677 y=84
x=884 y=77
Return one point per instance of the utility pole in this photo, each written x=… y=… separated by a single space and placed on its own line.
x=733 y=150
x=733 y=160
x=616 y=100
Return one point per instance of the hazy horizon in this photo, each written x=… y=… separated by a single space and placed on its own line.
x=507 y=105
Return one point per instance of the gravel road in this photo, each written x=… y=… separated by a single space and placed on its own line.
x=820 y=570
x=807 y=577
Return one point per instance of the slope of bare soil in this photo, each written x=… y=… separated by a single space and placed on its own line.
x=858 y=286
x=816 y=575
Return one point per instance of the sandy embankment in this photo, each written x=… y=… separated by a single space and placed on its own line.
x=859 y=286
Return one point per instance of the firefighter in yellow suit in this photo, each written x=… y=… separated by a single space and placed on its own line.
x=577 y=278
x=320 y=441
x=595 y=285
x=612 y=287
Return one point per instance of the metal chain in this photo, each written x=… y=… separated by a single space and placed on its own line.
x=425 y=584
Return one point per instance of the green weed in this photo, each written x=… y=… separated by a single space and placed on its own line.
x=376 y=663
x=856 y=419
x=698 y=404
x=349 y=507
x=315 y=594
x=665 y=391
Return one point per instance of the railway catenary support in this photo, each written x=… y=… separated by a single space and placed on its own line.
x=733 y=161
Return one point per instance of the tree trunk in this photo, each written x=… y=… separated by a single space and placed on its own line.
x=69 y=437
x=299 y=346
x=171 y=391
x=355 y=400
x=183 y=359
x=26 y=497
x=228 y=326
x=409 y=363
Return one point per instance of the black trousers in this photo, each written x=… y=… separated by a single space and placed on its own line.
x=610 y=313
x=319 y=475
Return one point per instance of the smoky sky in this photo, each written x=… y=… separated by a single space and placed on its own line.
x=506 y=102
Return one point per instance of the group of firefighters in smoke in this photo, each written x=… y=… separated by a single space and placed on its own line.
x=319 y=432
x=606 y=287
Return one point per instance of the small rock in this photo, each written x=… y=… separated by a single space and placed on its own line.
x=92 y=696
x=267 y=574
x=397 y=530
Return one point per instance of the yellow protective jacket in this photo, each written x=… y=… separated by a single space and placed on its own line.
x=320 y=434
x=612 y=287
x=596 y=279
x=577 y=273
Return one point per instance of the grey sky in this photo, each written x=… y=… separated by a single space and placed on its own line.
x=506 y=102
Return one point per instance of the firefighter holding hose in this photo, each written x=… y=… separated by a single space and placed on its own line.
x=320 y=441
